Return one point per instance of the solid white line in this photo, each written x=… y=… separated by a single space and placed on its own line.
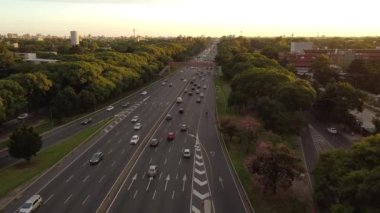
x=180 y=160
x=101 y=179
x=176 y=176
x=85 y=179
x=68 y=179
x=85 y=200
x=67 y=199
x=154 y=195
x=170 y=149
x=165 y=161
x=160 y=176
x=52 y=195
x=150 y=161
x=134 y=196
x=173 y=195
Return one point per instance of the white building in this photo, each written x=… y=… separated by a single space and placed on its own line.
x=74 y=37
x=299 y=47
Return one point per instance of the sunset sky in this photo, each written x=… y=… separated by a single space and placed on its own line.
x=192 y=17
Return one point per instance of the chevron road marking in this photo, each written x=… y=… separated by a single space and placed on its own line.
x=198 y=156
x=201 y=196
x=199 y=172
x=195 y=209
x=199 y=182
x=199 y=163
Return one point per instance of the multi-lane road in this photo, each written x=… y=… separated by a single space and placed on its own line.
x=203 y=181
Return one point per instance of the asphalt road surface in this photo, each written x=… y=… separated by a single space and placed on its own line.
x=182 y=185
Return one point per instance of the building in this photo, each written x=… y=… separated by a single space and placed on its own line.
x=299 y=47
x=32 y=57
x=74 y=37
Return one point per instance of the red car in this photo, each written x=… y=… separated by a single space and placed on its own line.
x=171 y=136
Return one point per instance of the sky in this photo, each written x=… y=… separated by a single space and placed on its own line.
x=192 y=17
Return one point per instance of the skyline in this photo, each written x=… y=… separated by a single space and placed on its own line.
x=113 y=18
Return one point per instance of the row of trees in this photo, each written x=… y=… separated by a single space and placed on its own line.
x=81 y=81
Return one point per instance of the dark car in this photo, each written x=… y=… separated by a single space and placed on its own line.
x=96 y=158
x=190 y=93
x=86 y=121
x=181 y=110
x=168 y=117
x=183 y=127
x=170 y=136
x=154 y=142
x=198 y=100
x=125 y=105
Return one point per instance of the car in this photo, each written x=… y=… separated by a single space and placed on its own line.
x=171 y=84
x=134 y=139
x=86 y=121
x=109 y=108
x=185 y=91
x=190 y=93
x=137 y=126
x=204 y=87
x=125 y=105
x=183 y=127
x=163 y=83
x=185 y=80
x=152 y=171
x=154 y=142
x=144 y=93
x=201 y=95
x=199 y=86
x=179 y=100
x=135 y=119
x=181 y=110
x=203 y=79
x=186 y=153
x=197 y=91
x=31 y=204
x=332 y=130
x=22 y=116
x=198 y=100
x=96 y=158
x=170 y=136
x=168 y=117
x=193 y=88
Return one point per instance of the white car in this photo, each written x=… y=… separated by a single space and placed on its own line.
x=137 y=126
x=135 y=119
x=153 y=170
x=134 y=139
x=109 y=108
x=144 y=92
x=31 y=204
x=186 y=153
x=332 y=130
x=22 y=116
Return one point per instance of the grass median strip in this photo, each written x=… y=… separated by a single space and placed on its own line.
x=14 y=176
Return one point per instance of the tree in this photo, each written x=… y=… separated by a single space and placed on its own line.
x=324 y=73
x=228 y=126
x=350 y=179
x=6 y=57
x=24 y=143
x=376 y=123
x=248 y=126
x=276 y=166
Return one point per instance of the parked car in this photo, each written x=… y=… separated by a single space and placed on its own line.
x=135 y=119
x=171 y=84
x=332 y=130
x=109 y=108
x=183 y=127
x=152 y=171
x=86 y=121
x=154 y=142
x=22 y=116
x=134 y=139
x=179 y=100
x=170 y=136
x=96 y=158
x=137 y=126
x=31 y=204
x=190 y=93
x=198 y=100
x=181 y=110
x=186 y=153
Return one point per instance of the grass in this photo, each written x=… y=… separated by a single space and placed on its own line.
x=16 y=175
x=294 y=200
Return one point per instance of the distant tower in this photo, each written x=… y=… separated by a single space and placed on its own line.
x=134 y=33
x=74 y=38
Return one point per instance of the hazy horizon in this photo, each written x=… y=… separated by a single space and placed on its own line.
x=113 y=18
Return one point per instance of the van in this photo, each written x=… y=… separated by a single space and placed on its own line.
x=179 y=100
x=31 y=204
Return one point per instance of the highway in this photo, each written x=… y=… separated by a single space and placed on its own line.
x=182 y=185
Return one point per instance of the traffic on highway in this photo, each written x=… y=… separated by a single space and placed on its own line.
x=160 y=153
